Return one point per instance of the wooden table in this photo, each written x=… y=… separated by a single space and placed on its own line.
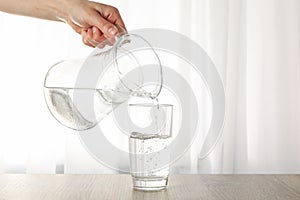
x=118 y=186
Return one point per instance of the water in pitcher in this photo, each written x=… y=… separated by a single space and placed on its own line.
x=60 y=102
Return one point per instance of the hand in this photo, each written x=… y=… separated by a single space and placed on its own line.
x=94 y=21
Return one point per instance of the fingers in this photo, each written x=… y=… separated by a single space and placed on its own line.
x=106 y=19
x=98 y=38
x=94 y=37
x=115 y=17
x=90 y=37
x=97 y=35
x=108 y=29
x=85 y=39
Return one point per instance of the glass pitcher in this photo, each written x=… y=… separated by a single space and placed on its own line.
x=80 y=93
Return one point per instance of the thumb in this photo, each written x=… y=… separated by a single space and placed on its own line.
x=107 y=28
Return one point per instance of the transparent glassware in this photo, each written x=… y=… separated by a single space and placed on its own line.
x=149 y=157
x=80 y=93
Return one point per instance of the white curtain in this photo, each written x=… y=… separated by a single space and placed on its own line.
x=254 y=44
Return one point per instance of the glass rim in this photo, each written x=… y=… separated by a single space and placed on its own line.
x=150 y=105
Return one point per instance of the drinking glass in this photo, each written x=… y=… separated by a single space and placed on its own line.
x=148 y=142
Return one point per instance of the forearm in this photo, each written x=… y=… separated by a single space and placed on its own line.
x=94 y=21
x=44 y=9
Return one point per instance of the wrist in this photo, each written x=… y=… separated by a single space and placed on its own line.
x=58 y=9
